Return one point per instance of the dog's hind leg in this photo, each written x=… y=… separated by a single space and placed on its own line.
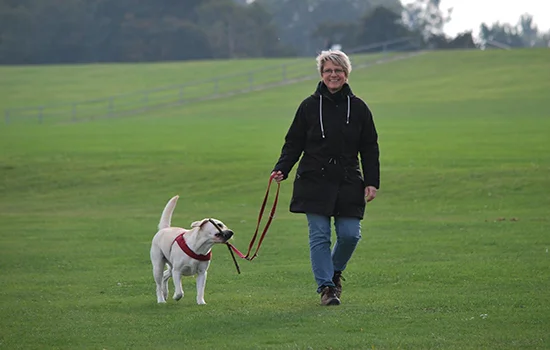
x=178 y=292
x=158 y=267
x=165 y=277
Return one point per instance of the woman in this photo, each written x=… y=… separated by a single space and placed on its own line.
x=330 y=129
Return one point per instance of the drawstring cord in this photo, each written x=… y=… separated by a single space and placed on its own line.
x=347 y=117
x=321 y=114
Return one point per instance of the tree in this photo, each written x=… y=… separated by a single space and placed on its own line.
x=461 y=41
x=239 y=31
x=524 y=34
x=15 y=34
x=341 y=33
x=63 y=31
x=528 y=30
x=501 y=33
x=426 y=18
x=303 y=24
x=379 y=26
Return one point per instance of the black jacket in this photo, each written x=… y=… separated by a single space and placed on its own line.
x=328 y=179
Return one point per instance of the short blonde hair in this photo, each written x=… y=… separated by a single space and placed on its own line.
x=335 y=56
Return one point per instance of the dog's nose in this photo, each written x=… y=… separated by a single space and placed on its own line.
x=227 y=234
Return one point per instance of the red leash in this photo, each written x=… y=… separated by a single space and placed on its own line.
x=268 y=223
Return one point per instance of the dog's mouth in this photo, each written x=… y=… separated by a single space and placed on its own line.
x=224 y=235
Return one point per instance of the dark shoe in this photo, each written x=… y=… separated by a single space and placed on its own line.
x=337 y=279
x=328 y=296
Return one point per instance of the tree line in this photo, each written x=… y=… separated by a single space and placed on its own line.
x=83 y=31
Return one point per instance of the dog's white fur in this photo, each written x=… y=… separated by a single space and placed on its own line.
x=165 y=252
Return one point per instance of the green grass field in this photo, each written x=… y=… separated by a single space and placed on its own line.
x=454 y=252
x=34 y=86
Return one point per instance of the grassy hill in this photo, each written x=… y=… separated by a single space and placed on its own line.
x=454 y=252
x=54 y=94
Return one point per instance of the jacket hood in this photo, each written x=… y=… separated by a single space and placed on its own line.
x=343 y=94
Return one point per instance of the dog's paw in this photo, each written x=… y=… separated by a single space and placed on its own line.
x=177 y=296
x=161 y=301
x=201 y=302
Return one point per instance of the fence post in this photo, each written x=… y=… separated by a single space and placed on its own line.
x=40 y=114
x=7 y=116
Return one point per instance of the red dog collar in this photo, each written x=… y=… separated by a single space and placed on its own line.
x=181 y=242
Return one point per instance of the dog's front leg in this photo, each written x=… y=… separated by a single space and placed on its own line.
x=178 y=292
x=201 y=283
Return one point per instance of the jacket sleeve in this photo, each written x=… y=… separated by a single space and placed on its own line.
x=369 y=151
x=295 y=140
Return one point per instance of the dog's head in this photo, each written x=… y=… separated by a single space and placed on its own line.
x=214 y=229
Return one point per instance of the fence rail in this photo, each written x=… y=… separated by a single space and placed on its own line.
x=152 y=99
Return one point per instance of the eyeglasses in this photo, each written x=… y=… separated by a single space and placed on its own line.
x=336 y=71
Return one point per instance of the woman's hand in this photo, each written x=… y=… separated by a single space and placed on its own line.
x=278 y=176
x=370 y=193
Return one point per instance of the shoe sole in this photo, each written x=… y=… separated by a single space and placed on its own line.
x=334 y=301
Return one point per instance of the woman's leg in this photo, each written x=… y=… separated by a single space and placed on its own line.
x=319 y=248
x=348 y=234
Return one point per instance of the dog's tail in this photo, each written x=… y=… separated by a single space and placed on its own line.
x=166 y=218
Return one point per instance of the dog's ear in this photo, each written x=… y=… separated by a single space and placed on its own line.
x=199 y=223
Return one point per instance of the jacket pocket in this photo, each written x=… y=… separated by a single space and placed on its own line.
x=309 y=185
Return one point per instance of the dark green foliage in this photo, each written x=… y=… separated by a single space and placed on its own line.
x=106 y=31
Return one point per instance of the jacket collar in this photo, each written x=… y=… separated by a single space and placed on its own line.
x=342 y=94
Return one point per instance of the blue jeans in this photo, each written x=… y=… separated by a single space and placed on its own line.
x=324 y=261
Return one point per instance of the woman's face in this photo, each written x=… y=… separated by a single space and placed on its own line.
x=333 y=76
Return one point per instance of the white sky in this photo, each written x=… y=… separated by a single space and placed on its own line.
x=469 y=14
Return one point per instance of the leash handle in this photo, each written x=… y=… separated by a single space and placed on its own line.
x=233 y=250
x=260 y=215
x=271 y=215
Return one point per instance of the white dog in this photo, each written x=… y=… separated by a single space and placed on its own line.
x=184 y=252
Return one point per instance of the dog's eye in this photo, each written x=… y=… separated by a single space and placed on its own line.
x=220 y=225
